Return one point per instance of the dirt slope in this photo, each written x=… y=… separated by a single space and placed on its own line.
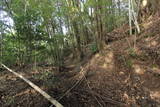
x=125 y=74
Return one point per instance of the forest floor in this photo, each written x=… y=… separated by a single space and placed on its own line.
x=125 y=74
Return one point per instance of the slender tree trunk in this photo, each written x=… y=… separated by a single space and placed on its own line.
x=130 y=17
x=99 y=24
x=1 y=46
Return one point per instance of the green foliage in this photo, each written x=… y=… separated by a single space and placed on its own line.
x=129 y=63
x=10 y=51
x=93 y=48
x=10 y=100
x=132 y=52
x=47 y=77
x=149 y=35
x=49 y=30
x=154 y=66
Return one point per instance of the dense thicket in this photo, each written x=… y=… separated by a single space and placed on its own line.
x=50 y=30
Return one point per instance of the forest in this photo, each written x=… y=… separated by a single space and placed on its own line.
x=79 y=53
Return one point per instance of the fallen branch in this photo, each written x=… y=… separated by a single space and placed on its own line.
x=48 y=97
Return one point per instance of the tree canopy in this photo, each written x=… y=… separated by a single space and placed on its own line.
x=49 y=30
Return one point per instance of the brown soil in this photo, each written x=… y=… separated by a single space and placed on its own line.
x=125 y=74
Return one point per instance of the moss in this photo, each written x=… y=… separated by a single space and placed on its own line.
x=132 y=53
x=129 y=63
x=10 y=100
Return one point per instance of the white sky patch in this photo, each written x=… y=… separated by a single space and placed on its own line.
x=64 y=29
x=6 y=19
x=144 y=3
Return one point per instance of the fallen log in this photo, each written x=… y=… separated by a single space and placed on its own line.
x=43 y=93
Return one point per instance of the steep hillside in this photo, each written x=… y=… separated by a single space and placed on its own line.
x=126 y=73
